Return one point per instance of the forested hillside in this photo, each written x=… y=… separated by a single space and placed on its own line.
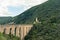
x=49 y=10
x=48 y=15
x=44 y=31
x=5 y=20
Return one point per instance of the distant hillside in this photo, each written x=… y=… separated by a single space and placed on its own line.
x=5 y=20
x=49 y=10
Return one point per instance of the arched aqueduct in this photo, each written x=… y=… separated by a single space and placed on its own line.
x=18 y=30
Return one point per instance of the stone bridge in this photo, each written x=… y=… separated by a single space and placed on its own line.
x=18 y=30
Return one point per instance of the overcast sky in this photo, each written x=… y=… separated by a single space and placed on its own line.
x=15 y=7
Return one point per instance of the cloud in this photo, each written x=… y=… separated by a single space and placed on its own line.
x=16 y=4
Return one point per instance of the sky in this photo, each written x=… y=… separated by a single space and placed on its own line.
x=16 y=7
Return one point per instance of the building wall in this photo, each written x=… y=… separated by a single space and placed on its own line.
x=18 y=30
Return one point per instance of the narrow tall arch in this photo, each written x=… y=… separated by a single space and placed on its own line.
x=4 y=32
x=15 y=30
x=10 y=30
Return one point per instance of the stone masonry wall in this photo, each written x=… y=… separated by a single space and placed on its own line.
x=18 y=30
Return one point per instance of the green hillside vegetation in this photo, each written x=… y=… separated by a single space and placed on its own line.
x=8 y=37
x=49 y=10
x=48 y=14
x=5 y=20
x=44 y=31
x=48 y=27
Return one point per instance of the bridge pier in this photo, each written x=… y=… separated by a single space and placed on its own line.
x=18 y=30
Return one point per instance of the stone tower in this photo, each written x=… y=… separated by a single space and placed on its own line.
x=36 y=20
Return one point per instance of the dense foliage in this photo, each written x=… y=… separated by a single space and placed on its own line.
x=8 y=37
x=44 y=31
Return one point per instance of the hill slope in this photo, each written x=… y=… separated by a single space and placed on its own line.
x=45 y=31
x=49 y=10
x=5 y=20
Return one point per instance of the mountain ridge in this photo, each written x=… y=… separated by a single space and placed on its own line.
x=45 y=11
